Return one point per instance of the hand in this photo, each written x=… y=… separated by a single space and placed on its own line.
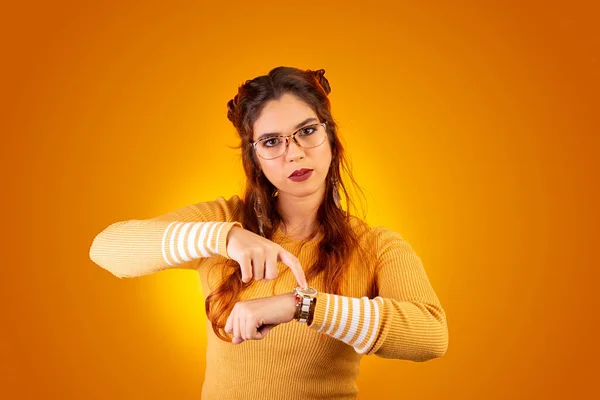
x=253 y=319
x=258 y=256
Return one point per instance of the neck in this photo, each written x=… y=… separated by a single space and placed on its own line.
x=299 y=214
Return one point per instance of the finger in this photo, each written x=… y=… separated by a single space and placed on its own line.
x=228 y=325
x=291 y=261
x=246 y=267
x=251 y=329
x=237 y=341
x=242 y=320
x=236 y=330
x=258 y=266
x=230 y=321
x=271 y=268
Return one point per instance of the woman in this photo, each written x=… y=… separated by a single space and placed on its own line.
x=287 y=255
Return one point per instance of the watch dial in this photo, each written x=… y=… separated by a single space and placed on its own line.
x=309 y=291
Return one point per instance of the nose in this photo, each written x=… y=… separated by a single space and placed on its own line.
x=294 y=151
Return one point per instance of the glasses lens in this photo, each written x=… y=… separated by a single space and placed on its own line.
x=311 y=136
x=271 y=147
x=308 y=137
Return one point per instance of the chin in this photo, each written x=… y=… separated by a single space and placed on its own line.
x=307 y=190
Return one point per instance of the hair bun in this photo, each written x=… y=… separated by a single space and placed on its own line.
x=320 y=77
x=231 y=108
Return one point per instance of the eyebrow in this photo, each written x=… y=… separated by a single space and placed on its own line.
x=300 y=125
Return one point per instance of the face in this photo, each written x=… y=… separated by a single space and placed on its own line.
x=283 y=116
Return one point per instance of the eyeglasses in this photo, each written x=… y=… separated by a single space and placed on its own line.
x=308 y=137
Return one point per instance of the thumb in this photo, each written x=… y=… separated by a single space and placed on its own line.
x=264 y=329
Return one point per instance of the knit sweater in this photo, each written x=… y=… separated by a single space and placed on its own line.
x=404 y=321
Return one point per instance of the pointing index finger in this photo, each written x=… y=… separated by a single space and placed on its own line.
x=291 y=261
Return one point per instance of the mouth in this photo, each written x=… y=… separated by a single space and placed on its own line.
x=300 y=172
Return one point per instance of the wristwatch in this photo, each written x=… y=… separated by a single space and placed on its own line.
x=306 y=300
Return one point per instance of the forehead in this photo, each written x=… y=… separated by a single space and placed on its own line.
x=282 y=115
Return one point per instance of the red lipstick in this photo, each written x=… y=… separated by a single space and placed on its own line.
x=301 y=175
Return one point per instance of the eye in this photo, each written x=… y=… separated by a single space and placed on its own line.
x=270 y=142
x=309 y=130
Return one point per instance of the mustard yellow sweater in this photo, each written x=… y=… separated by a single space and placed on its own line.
x=405 y=321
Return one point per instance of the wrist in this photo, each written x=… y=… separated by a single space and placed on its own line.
x=224 y=242
x=291 y=301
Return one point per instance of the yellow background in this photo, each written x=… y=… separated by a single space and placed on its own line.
x=473 y=128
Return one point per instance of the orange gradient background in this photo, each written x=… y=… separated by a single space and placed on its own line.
x=472 y=127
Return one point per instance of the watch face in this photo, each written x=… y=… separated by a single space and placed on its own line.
x=308 y=291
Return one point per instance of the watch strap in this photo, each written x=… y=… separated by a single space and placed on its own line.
x=311 y=312
x=305 y=308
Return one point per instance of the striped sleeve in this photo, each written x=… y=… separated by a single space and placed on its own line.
x=406 y=321
x=179 y=239
x=354 y=321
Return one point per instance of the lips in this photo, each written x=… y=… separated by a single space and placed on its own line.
x=299 y=172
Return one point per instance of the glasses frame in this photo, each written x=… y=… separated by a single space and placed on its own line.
x=287 y=140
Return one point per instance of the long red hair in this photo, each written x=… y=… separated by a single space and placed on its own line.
x=338 y=239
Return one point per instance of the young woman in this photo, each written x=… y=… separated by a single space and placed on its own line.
x=288 y=256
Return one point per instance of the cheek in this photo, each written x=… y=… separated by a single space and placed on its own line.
x=326 y=157
x=272 y=172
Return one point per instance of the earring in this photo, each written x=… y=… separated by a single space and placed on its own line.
x=336 y=193
x=257 y=208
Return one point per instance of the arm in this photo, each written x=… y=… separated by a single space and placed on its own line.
x=178 y=239
x=406 y=321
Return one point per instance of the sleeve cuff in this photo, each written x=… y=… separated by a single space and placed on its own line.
x=320 y=312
